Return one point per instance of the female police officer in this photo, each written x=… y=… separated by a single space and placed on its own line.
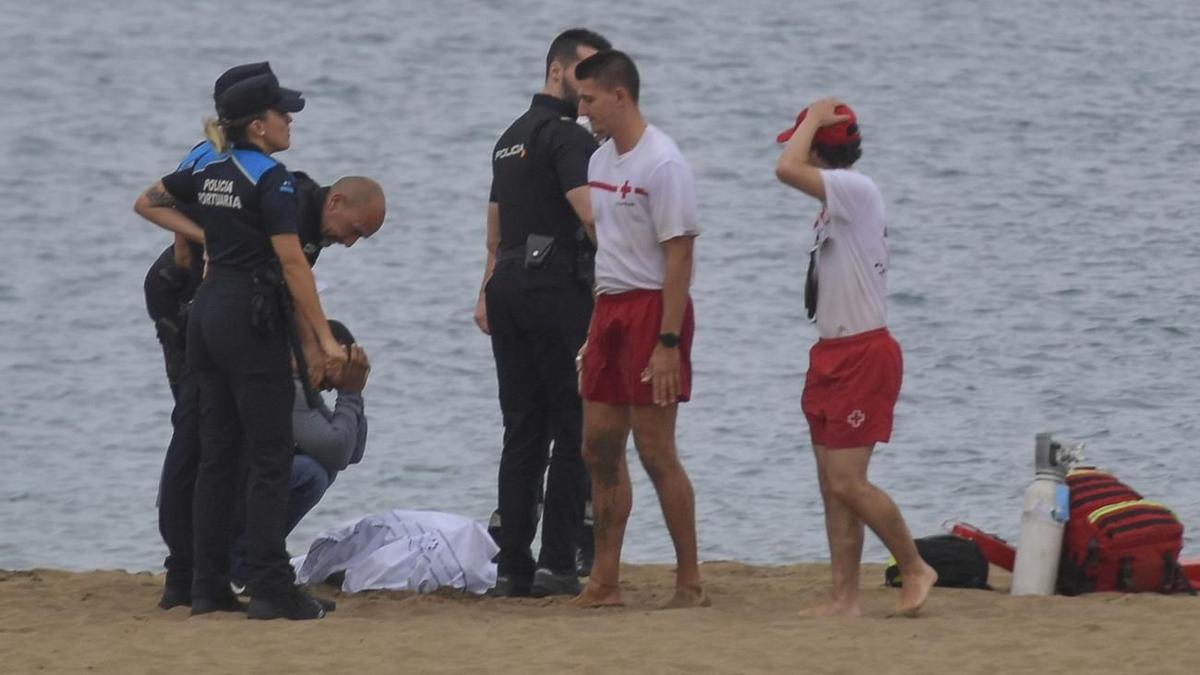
x=238 y=340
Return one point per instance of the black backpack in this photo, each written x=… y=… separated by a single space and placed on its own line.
x=958 y=562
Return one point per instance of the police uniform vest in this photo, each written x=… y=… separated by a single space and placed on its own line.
x=242 y=198
x=168 y=289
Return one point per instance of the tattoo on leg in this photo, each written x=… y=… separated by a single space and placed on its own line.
x=608 y=447
x=159 y=197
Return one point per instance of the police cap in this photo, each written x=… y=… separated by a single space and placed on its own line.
x=255 y=94
x=237 y=74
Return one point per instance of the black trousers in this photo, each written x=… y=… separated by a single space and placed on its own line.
x=168 y=290
x=176 y=486
x=245 y=384
x=538 y=321
x=164 y=303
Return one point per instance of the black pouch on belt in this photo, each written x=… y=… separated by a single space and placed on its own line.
x=266 y=316
x=173 y=279
x=538 y=249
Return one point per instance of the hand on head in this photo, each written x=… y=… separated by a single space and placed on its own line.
x=824 y=112
x=354 y=375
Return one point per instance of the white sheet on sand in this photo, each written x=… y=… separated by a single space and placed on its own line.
x=403 y=551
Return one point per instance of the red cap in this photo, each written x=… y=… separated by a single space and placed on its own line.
x=832 y=135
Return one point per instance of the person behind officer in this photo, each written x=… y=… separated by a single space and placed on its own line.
x=352 y=208
x=535 y=302
x=238 y=340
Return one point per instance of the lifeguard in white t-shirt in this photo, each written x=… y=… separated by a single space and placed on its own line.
x=855 y=368
x=640 y=199
x=636 y=363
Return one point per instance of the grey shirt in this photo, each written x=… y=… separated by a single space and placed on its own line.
x=335 y=438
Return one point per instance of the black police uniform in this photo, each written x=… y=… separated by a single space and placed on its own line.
x=169 y=292
x=169 y=289
x=242 y=366
x=538 y=320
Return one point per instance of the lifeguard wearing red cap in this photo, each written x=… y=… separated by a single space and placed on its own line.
x=831 y=136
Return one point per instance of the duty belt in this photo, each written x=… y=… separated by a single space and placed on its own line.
x=514 y=253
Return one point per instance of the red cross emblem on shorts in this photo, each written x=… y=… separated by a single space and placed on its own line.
x=856 y=419
x=625 y=190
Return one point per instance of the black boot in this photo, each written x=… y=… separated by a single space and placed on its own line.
x=548 y=582
x=327 y=604
x=175 y=597
x=293 y=604
x=508 y=586
x=226 y=602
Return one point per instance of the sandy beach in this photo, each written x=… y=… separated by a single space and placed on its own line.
x=106 y=621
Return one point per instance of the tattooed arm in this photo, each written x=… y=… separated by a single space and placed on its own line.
x=158 y=206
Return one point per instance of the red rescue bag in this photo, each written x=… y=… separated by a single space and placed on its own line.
x=1117 y=541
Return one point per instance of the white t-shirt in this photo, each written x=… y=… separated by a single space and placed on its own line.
x=639 y=200
x=852 y=256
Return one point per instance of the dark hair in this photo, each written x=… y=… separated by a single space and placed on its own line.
x=612 y=69
x=840 y=156
x=340 y=332
x=565 y=48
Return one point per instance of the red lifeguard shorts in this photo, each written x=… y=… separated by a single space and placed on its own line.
x=851 y=389
x=621 y=337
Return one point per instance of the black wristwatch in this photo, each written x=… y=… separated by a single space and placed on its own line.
x=668 y=339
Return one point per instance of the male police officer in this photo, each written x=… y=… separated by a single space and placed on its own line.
x=536 y=302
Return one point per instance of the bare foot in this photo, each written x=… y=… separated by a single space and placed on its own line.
x=915 y=590
x=834 y=609
x=597 y=595
x=686 y=598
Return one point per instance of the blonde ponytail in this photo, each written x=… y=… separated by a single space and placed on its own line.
x=215 y=134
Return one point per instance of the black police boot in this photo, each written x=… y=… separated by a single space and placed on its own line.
x=327 y=604
x=293 y=604
x=225 y=602
x=510 y=587
x=548 y=582
x=175 y=597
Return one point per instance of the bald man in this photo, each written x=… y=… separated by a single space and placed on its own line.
x=352 y=208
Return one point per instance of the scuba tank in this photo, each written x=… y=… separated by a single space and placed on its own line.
x=1043 y=518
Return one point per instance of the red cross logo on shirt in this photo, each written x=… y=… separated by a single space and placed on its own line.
x=625 y=190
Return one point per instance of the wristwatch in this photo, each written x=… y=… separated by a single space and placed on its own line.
x=668 y=339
